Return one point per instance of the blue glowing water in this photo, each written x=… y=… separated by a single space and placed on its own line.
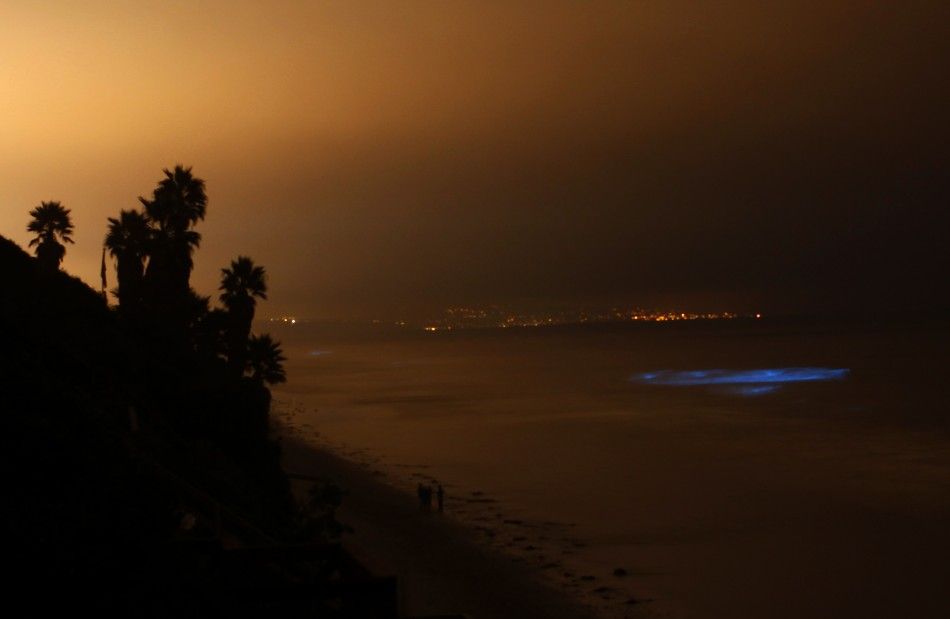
x=747 y=382
x=753 y=390
x=736 y=377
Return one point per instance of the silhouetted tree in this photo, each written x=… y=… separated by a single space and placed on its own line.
x=179 y=201
x=177 y=204
x=265 y=360
x=198 y=306
x=210 y=335
x=51 y=222
x=128 y=242
x=240 y=284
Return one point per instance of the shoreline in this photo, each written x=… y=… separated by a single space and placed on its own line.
x=441 y=566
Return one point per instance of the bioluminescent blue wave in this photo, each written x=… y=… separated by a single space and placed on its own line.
x=767 y=376
x=752 y=390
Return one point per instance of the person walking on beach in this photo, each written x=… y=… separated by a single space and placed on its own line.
x=440 y=497
x=427 y=498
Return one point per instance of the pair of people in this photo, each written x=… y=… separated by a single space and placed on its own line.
x=425 y=497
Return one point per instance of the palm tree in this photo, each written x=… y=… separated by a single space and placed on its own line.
x=179 y=201
x=177 y=204
x=128 y=241
x=265 y=360
x=51 y=223
x=240 y=284
x=210 y=335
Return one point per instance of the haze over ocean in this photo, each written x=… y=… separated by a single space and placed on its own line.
x=791 y=503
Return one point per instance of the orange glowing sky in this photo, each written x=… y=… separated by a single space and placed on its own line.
x=381 y=154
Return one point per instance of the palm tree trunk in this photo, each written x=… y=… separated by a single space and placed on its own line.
x=239 y=331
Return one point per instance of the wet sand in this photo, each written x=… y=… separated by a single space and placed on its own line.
x=442 y=565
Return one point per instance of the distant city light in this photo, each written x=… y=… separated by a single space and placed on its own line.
x=285 y=319
x=497 y=317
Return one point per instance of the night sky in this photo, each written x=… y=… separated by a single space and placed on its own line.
x=388 y=158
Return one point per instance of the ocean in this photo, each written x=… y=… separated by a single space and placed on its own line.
x=741 y=468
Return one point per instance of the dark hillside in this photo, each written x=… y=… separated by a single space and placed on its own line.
x=90 y=505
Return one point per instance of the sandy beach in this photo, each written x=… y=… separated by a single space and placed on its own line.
x=441 y=565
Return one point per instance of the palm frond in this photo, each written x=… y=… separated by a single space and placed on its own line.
x=265 y=359
x=242 y=281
